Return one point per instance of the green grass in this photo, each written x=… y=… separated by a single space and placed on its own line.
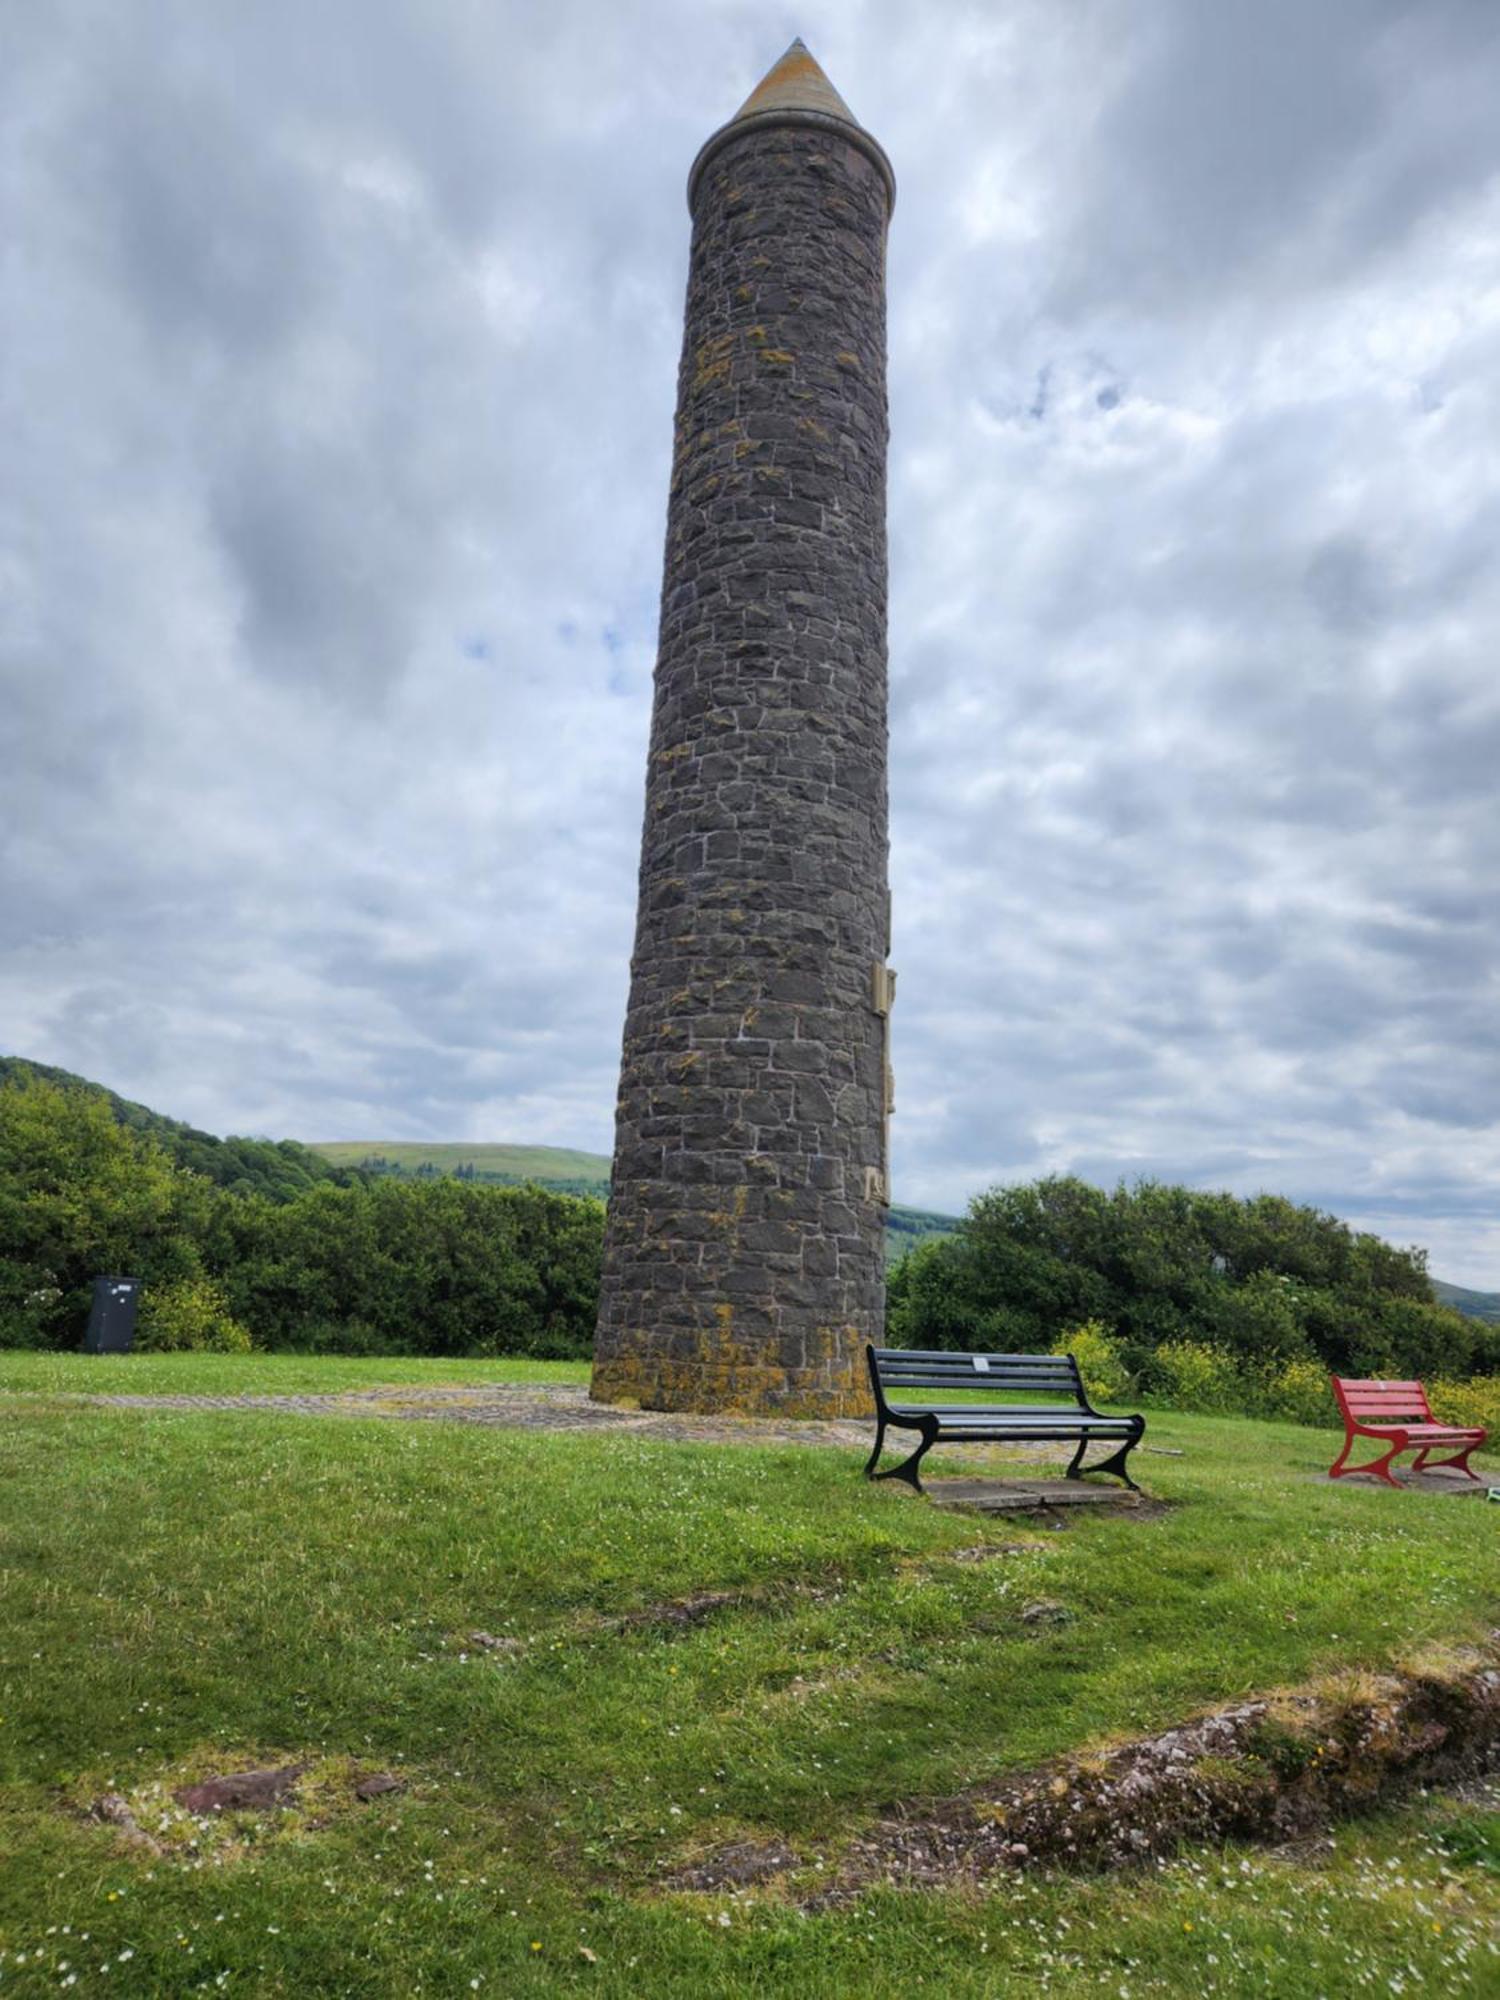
x=256 y=1374
x=181 y=1592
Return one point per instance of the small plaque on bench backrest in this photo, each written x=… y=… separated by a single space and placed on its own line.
x=981 y=1364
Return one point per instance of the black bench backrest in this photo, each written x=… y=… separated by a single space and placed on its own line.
x=1054 y=1376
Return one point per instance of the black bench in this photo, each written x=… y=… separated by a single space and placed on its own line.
x=1054 y=1376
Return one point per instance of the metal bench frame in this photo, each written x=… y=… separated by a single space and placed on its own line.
x=1398 y=1415
x=992 y=1423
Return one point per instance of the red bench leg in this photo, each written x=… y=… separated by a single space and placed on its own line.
x=1459 y=1462
x=1381 y=1467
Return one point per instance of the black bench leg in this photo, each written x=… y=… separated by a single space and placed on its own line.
x=1073 y=1471
x=907 y=1469
x=875 y=1454
x=1116 y=1461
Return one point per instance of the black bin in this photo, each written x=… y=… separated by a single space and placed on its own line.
x=112 y=1316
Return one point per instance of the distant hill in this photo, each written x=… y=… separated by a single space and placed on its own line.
x=554 y=1167
x=1477 y=1305
x=278 y=1168
x=508 y=1166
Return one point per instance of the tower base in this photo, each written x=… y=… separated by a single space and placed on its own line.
x=721 y=1377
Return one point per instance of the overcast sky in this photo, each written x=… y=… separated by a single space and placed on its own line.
x=339 y=346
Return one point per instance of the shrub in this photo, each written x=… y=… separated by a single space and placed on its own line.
x=1473 y=1402
x=189 y=1313
x=81 y=1195
x=415 y=1267
x=1190 y=1375
x=1263 y=1278
x=1259 y=1317
x=1299 y=1393
x=1106 y=1379
x=1415 y=1337
x=925 y=1304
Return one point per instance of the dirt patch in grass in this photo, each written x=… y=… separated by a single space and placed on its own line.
x=737 y=1866
x=683 y=1611
x=242 y=1791
x=200 y=1813
x=992 y=1551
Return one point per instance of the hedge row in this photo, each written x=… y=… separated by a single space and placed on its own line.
x=420 y=1267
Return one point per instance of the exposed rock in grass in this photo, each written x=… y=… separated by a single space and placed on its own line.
x=1046 y=1611
x=989 y=1551
x=229 y=1815
x=375 y=1785
x=682 y=1610
x=736 y=1867
x=1275 y=1770
x=116 y=1812
x=489 y=1642
x=242 y=1791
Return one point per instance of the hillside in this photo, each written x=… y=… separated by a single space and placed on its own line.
x=550 y=1166
x=1477 y=1305
x=277 y=1168
x=554 y=1167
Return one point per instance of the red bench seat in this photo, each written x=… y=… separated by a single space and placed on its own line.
x=1397 y=1415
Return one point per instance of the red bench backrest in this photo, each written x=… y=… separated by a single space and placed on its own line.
x=1381 y=1402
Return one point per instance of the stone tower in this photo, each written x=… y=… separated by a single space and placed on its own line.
x=743 y=1260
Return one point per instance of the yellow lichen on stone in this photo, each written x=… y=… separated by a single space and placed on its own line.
x=712 y=363
x=777 y=357
x=728 y=1377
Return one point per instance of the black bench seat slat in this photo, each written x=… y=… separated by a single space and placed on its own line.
x=981 y=1419
x=983 y=1413
x=1051 y=1375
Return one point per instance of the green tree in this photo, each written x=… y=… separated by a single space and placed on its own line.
x=83 y=1196
x=1264 y=1281
x=428 y=1265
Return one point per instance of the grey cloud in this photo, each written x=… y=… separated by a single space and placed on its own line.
x=1275 y=141
x=342 y=345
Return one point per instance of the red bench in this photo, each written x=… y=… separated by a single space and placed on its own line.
x=1397 y=1415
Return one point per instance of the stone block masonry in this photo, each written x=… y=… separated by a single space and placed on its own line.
x=743 y=1265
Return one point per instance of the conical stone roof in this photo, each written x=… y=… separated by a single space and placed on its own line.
x=794 y=91
x=796 y=83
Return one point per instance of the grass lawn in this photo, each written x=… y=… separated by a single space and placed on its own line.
x=182 y=1593
x=256 y=1374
